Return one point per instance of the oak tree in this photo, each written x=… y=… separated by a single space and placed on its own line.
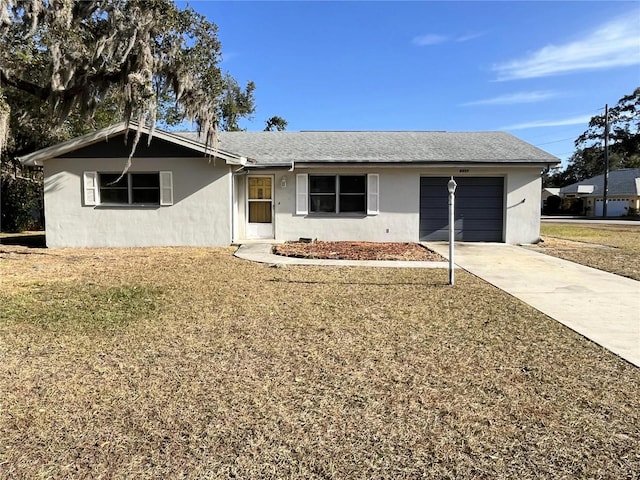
x=71 y=56
x=624 y=141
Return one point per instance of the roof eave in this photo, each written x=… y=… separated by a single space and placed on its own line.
x=38 y=157
x=422 y=163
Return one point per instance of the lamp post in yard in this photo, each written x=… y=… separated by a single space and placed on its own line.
x=451 y=186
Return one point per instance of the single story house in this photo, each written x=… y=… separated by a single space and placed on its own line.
x=376 y=186
x=623 y=194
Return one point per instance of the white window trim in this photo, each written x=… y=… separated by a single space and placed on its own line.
x=166 y=188
x=302 y=194
x=91 y=189
x=373 y=195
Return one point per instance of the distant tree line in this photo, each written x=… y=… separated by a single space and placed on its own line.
x=624 y=144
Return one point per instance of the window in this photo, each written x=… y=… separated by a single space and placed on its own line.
x=148 y=188
x=353 y=193
x=358 y=194
x=322 y=193
x=112 y=189
x=337 y=193
x=132 y=188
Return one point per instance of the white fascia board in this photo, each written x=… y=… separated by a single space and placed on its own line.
x=37 y=157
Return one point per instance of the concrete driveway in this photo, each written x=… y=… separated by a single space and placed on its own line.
x=601 y=306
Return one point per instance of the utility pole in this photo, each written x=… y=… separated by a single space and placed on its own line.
x=605 y=192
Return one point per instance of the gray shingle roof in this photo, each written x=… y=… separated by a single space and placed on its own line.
x=625 y=181
x=282 y=148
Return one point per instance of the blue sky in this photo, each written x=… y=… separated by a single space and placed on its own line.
x=538 y=70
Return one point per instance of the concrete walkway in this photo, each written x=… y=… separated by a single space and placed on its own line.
x=601 y=306
x=261 y=252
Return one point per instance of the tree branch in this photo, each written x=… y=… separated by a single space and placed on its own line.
x=31 y=88
x=45 y=93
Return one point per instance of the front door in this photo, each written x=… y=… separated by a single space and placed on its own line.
x=259 y=206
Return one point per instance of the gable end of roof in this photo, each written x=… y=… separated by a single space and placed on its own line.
x=105 y=134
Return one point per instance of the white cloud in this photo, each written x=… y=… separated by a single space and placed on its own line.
x=429 y=39
x=550 y=123
x=435 y=39
x=514 y=98
x=471 y=36
x=614 y=44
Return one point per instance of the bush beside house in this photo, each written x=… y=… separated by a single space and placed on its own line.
x=21 y=204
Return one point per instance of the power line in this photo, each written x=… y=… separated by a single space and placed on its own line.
x=555 y=141
x=591 y=112
x=556 y=129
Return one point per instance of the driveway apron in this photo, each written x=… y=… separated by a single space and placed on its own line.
x=602 y=306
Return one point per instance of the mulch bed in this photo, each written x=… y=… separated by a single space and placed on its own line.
x=357 y=251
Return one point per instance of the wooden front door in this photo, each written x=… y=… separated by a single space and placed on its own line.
x=259 y=206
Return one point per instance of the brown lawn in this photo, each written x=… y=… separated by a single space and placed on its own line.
x=612 y=248
x=190 y=363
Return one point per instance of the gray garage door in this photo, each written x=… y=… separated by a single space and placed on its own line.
x=478 y=209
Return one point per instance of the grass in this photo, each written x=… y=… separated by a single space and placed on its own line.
x=81 y=307
x=212 y=367
x=583 y=243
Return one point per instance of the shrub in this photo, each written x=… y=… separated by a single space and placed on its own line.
x=553 y=204
x=21 y=204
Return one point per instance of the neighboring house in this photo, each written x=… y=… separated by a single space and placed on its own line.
x=377 y=186
x=623 y=192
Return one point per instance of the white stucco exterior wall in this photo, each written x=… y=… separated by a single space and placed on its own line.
x=398 y=219
x=206 y=194
x=199 y=216
x=240 y=217
x=523 y=188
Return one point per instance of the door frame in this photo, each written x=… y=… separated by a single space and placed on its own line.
x=260 y=230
